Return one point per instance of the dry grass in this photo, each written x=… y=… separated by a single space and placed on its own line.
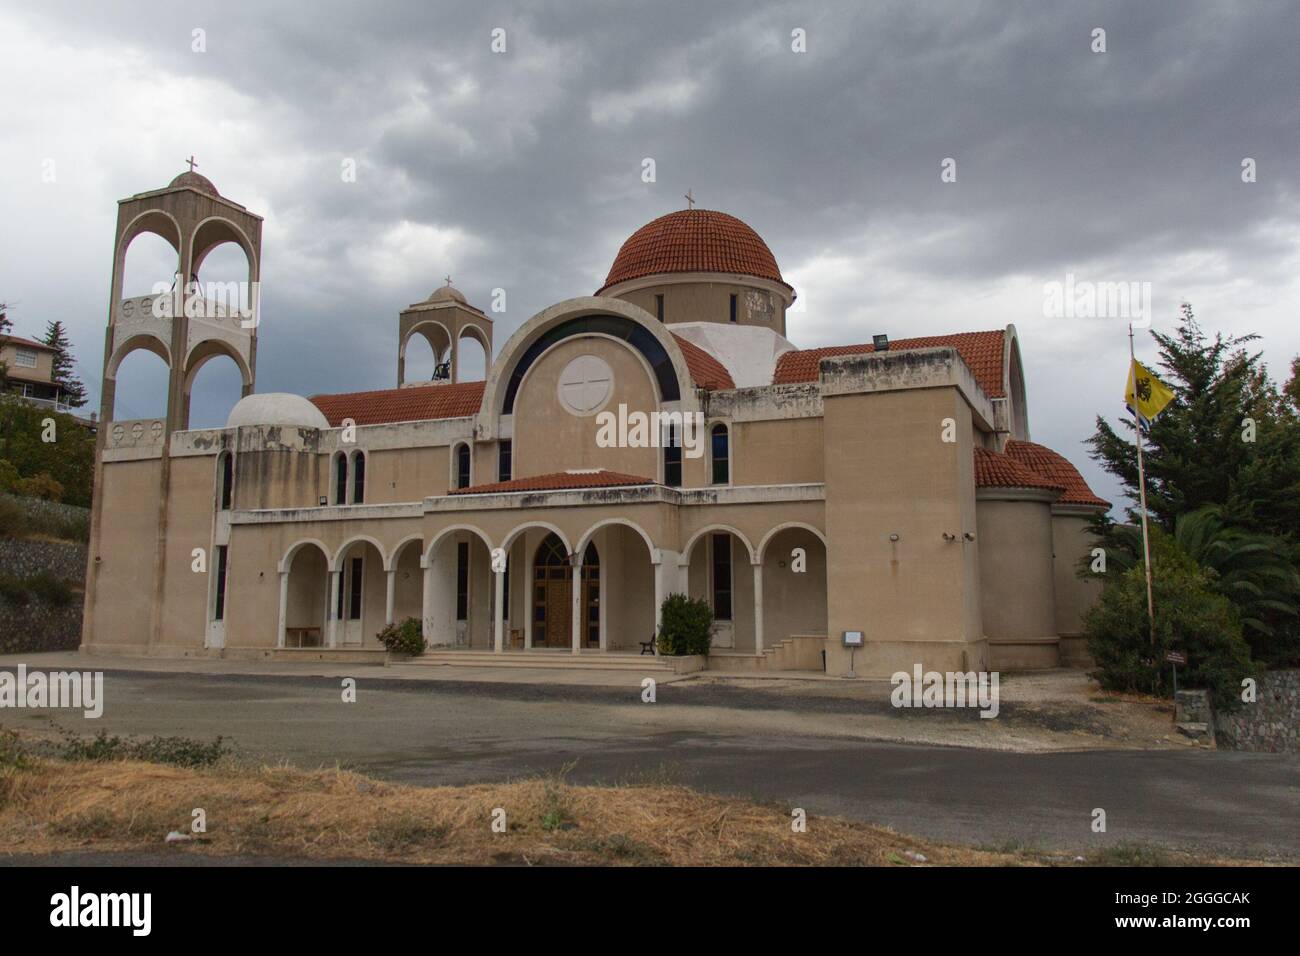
x=120 y=805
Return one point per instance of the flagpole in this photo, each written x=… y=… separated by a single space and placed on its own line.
x=1142 y=484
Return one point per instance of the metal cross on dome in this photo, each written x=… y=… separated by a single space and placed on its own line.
x=191 y=162
x=690 y=200
x=449 y=281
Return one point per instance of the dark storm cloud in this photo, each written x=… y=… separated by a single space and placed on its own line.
x=1067 y=160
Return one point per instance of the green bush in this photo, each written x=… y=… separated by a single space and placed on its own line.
x=176 y=751
x=1190 y=617
x=403 y=638
x=687 y=626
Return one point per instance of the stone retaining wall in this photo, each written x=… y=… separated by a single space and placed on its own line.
x=1271 y=723
x=23 y=557
x=40 y=627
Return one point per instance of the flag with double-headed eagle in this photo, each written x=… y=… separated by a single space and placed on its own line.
x=1146 y=396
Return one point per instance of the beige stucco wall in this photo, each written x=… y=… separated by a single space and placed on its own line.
x=1016 y=582
x=770 y=452
x=888 y=471
x=43 y=370
x=1071 y=541
x=549 y=438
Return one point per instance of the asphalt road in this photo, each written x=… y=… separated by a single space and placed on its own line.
x=795 y=750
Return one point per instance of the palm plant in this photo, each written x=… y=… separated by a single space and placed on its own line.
x=1257 y=572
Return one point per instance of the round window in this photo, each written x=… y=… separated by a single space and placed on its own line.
x=586 y=385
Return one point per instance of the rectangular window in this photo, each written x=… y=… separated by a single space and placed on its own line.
x=354 y=590
x=659 y=307
x=733 y=307
x=462 y=466
x=722 y=577
x=462 y=580
x=503 y=460
x=359 y=478
x=341 y=480
x=227 y=479
x=672 y=459
x=25 y=358
x=721 y=455
x=505 y=594
x=219 y=612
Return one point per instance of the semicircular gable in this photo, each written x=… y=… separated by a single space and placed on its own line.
x=616 y=327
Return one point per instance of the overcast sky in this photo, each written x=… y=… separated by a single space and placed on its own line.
x=522 y=170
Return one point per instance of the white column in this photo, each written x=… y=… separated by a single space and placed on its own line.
x=426 y=601
x=390 y=596
x=576 y=623
x=661 y=568
x=758 y=607
x=336 y=583
x=498 y=612
x=284 y=607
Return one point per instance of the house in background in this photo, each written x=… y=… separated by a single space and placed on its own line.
x=29 y=372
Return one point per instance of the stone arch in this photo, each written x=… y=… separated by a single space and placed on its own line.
x=505 y=367
x=785 y=526
x=396 y=552
x=287 y=560
x=435 y=333
x=510 y=538
x=451 y=529
x=626 y=522
x=685 y=557
x=216 y=231
x=355 y=539
x=476 y=334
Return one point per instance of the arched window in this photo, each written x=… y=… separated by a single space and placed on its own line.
x=462 y=463
x=340 y=479
x=225 y=480
x=720 y=443
x=358 y=477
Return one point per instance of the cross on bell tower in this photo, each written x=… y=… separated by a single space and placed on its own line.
x=191 y=162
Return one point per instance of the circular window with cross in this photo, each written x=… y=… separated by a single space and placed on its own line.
x=586 y=385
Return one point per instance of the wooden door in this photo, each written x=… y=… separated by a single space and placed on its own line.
x=559 y=613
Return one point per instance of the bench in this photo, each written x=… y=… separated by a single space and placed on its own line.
x=648 y=647
x=302 y=637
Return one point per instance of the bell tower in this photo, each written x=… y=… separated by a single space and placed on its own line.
x=444 y=318
x=187 y=325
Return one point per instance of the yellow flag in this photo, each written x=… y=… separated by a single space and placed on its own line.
x=1152 y=394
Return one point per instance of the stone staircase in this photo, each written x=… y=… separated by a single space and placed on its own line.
x=798 y=652
x=545 y=660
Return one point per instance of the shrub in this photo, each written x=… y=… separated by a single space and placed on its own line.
x=687 y=626
x=1190 y=617
x=8 y=475
x=41 y=586
x=403 y=638
x=176 y=751
x=42 y=485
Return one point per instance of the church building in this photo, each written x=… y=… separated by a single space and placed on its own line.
x=661 y=435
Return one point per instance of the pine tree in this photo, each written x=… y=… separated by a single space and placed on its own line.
x=64 y=375
x=1230 y=438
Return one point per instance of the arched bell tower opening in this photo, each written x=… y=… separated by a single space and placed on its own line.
x=444 y=320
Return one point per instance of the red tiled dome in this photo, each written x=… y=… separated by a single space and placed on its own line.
x=993 y=470
x=1055 y=467
x=693 y=240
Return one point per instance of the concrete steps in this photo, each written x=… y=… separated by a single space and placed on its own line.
x=544 y=660
x=798 y=652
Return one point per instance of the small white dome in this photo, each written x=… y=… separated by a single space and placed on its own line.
x=276 y=408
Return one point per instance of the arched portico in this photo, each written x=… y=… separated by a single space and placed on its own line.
x=304 y=595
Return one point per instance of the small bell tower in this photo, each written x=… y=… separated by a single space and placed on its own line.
x=444 y=318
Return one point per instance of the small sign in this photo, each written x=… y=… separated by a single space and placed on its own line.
x=852 y=638
x=1176 y=657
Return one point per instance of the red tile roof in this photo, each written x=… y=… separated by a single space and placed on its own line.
x=26 y=343
x=982 y=351
x=556 y=481
x=693 y=240
x=706 y=371
x=993 y=470
x=1056 y=468
x=417 y=403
